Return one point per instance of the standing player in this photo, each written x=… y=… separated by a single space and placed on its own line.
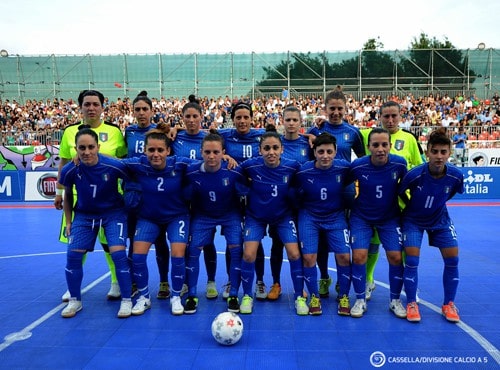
x=111 y=143
x=430 y=186
x=187 y=144
x=404 y=144
x=376 y=206
x=163 y=207
x=135 y=139
x=269 y=204
x=214 y=202
x=295 y=147
x=320 y=184
x=99 y=204
x=349 y=140
x=242 y=143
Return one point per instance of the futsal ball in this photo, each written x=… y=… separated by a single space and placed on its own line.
x=227 y=328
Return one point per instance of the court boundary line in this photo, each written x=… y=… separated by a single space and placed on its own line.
x=25 y=333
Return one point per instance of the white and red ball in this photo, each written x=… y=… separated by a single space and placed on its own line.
x=227 y=328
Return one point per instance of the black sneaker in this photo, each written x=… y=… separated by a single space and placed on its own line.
x=191 y=305
x=233 y=305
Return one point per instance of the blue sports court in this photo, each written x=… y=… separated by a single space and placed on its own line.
x=33 y=335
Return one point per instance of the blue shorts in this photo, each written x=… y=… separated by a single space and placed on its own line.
x=177 y=230
x=255 y=230
x=86 y=227
x=442 y=237
x=335 y=231
x=389 y=233
x=202 y=230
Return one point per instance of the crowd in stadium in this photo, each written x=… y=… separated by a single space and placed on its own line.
x=37 y=120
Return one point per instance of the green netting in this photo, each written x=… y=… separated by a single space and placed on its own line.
x=178 y=75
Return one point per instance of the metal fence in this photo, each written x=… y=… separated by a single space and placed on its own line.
x=64 y=76
x=479 y=136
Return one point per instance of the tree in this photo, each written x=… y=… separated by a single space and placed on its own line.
x=430 y=57
x=429 y=63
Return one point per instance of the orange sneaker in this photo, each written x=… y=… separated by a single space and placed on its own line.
x=412 y=313
x=450 y=312
x=275 y=292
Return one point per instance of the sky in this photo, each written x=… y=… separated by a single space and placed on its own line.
x=34 y=27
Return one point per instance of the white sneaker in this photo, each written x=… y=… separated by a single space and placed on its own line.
x=177 y=307
x=211 y=292
x=125 y=309
x=397 y=308
x=114 y=293
x=66 y=296
x=359 y=308
x=225 y=290
x=72 y=308
x=260 y=291
x=184 y=289
x=141 y=305
x=370 y=287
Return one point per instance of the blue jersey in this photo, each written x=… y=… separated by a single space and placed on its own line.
x=135 y=138
x=187 y=145
x=269 y=194
x=298 y=149
x=96 y=186
x=377 y=200
x=428 y=195
x=242 y=147
x=348 y=138
x=213 y=194
x=320 y=191
x=162 y=190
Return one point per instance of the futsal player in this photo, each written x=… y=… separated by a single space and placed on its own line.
x=430 y=186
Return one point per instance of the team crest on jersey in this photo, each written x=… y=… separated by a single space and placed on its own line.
x=338 y=178
x=394 y=175
x=225 y=181
x=285 y=179
x=346 y=136
x=105 y=177
x=447 y=189
x=303 y=152
x=103 y=137
x=399 y=145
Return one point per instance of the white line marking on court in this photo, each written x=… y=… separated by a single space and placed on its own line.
x=482 y=341
x=31 y=255
x=25 y=333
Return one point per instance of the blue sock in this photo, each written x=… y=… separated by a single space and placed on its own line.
x=450 y=279
x=344 y=274
x=410 y=276
x=235 y=269
x=359 y=280
x=311 y=278
x=396 y=280
x=122 y=272
x=193 y=270
x=141 y=273
x=177 y=275
x=247 y=274
x=297 y=274
x=74 y=273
